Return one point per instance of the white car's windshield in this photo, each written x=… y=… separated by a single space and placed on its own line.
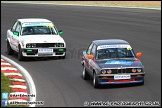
x=108 y=53
x=38 y=30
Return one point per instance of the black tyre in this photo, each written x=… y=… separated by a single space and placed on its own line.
x=62 y=57
x=10 y=51
x=85 y=74
x=95 y=81
x=20 y=56
x=143 y=82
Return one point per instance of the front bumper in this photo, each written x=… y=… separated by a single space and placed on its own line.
x=135 y=78
x=33 y=52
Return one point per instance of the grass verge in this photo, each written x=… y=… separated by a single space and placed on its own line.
x=5 y=82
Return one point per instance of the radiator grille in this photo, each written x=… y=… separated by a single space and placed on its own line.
x=44 y=45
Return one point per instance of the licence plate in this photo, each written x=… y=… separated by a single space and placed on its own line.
x=116 y=77
x=43 y=50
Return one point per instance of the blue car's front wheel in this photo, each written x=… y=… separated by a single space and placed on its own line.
x=95 y=81
x=85 y=74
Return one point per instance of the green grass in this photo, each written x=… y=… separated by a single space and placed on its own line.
x=5 y=82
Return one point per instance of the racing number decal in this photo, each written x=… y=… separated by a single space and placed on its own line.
x=129 y=48
x=49 y=26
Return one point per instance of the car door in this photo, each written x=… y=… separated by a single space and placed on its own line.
x=88 y=52
x=10 y=35
x=92 y=62
x=15 y=37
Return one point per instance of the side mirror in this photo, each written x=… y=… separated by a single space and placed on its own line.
x=90 y=56
x=16 y=33
x=138 y=54
x=60 y=32
x=84 y=51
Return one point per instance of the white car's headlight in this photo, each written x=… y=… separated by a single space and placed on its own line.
x=62 y=44
x=30 y=45
x=59 y=45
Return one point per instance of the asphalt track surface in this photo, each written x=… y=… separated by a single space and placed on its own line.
x=59 y=82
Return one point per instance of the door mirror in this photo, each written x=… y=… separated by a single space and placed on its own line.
x=138 y=54
x=90 y=57
x=60 y=32
x=16 y=33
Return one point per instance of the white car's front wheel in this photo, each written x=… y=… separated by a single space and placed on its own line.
x=20 y=56
x=62 y=57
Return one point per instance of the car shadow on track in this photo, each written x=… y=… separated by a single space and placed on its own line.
x=29 y=59
x=40 y=59
x=111 y=86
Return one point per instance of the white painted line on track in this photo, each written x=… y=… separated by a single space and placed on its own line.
x=17 y=100
x=6 y=74
x=16 y=79
x=18 y=93
x=30 y=82
x=8 y=68
x=18 y=86
x=2 y=60
x=7 y=64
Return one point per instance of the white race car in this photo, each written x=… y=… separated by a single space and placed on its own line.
x=35 y=37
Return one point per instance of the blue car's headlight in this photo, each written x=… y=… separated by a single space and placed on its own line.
x=134 y=70
x=109 y=71
x=139 y=70
x=106 y=71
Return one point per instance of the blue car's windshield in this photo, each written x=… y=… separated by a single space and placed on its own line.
x=108 y=53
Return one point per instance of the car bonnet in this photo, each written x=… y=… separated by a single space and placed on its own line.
x=116 y=63
x=42 y=38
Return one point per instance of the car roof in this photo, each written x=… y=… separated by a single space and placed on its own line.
x=110 y=42
x=26 y=20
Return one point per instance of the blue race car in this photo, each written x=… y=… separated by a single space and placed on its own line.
x=112 y=61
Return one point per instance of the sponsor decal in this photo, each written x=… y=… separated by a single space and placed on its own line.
x=37 y=24
x=122 y=77
x=125 y=62
x=114 y=46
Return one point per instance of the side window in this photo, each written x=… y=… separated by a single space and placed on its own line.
x=93 y=50
x=18 y=27
x=14 y=26
x=89 y=48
